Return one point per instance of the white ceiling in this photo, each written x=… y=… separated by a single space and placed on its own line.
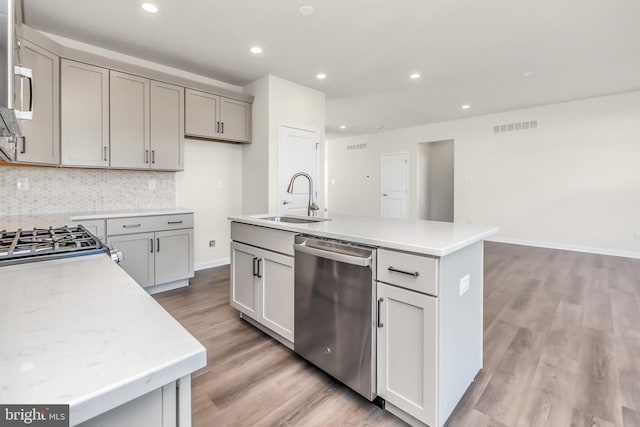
x=467 y=51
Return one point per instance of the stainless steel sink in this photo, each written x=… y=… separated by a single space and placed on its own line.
x=294 y=219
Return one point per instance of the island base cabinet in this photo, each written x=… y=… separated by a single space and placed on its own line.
x=407 y=351
x=262 y=287
x=168 y=406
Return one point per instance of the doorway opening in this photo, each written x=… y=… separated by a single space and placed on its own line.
x=435 y=180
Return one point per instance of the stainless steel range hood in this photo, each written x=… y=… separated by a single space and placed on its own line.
x=9 y=126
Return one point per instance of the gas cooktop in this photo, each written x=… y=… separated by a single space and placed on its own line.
x=41 y=244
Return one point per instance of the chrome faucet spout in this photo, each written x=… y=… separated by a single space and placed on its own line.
x=312 y=206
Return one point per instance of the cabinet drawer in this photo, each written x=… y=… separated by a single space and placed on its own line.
x=263 y=237
x=415 y=272
x=144 y=224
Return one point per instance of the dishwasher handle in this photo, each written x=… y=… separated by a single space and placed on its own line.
x=334 y=256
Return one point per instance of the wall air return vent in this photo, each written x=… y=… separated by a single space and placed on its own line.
x=356 y=147
x=510 y=127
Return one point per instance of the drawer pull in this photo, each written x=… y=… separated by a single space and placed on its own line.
x=408 y=273
x=131 y=225
x=174 y=222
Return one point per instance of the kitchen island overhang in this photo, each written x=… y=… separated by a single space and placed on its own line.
x=82 y=332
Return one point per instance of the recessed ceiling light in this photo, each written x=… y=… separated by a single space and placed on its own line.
x=306 y=10
x=415 y=76
x=150 y=7
x=466 y=106
x=256 y=50
x=528 y=74
x=343 y=126
x=321 y=76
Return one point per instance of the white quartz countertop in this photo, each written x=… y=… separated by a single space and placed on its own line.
x=418 y=236
x=80 y=331
x=13 y=222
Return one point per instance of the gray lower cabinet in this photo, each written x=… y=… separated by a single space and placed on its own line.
x=216 y=117
x=262 y=287
x=156 y=258
x=138 y=256
x=40 y=142
x=157 y=250
x=407 y=351
x=84 y=114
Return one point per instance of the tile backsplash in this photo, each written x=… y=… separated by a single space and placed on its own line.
x=56 y=190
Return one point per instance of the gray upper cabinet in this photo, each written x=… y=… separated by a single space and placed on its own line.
x=147 y=123
x=129 y=121
x=217 y=117
x=202 y=112
x=84 y=114
x=40 y=141
x=235 y=120
x=167 y=126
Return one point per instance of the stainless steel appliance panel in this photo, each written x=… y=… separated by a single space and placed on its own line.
x=334 y=297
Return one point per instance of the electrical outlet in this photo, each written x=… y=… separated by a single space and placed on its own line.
x=637 y=235
x=212 y=243
x=152 y=184
x=22 y=183
x=464 y=284
x=220 y=184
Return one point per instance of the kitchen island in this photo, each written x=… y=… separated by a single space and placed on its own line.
x=427 y=287
x=80 y=331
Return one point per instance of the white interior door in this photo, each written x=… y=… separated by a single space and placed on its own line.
x=394 y=185
x=297 y=152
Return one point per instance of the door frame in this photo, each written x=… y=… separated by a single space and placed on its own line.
x=406 y=155
x=305 y=128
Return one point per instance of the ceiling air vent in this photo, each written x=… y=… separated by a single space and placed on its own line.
x=510 y=127
x=356 y=147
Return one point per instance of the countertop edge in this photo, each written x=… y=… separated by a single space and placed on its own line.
x=118 y=394
x=110 y=215
x=424 y=250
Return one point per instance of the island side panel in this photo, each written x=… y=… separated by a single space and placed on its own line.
x=460 y=326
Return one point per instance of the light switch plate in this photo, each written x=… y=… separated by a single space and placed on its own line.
x=464 y=284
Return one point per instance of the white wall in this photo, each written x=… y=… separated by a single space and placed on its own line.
x=573 y=182
x=211 y=184
x=277 y=102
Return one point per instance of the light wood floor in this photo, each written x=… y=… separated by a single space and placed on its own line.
x=561 y=348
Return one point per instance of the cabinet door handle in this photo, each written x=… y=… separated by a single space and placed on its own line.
x=408 y=273
x=146 y=156
x=131 y=225
x=259 y=264
x=217 y=127
x=158 y=246
x=255 y=266
x=174 y=222
x=153 y=156
x=105 y=153
x=380 y=325
x=24 y=145
x=222 y=127
x=151 y=245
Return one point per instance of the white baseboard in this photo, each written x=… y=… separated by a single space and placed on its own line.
x=561 y=246
x=211 y=264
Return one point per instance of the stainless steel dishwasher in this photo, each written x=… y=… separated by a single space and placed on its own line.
x=334 y=305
